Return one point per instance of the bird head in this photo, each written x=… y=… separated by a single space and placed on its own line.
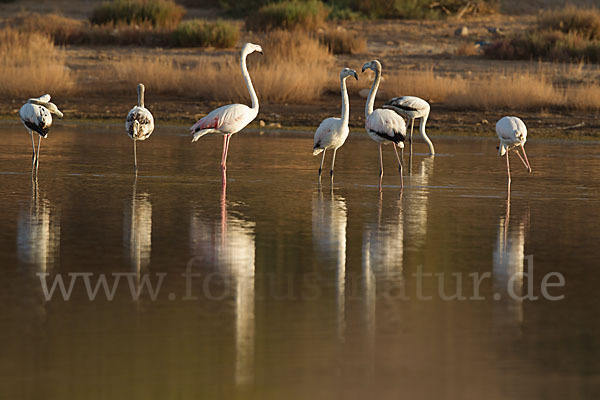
x=372 y=65
x=250 y=48
x=53 y=109
x=346 y=72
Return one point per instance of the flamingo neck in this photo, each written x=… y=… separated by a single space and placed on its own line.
x=425 y=137
x=249 y=83
x=140 y=97
x=345 y=102
x=373 y=93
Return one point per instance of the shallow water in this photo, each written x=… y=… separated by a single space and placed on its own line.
x=303 y=291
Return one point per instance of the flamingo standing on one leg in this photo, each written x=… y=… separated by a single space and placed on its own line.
x=383 y=126
x=512 y=133
x=139 y=123
x=333 y=132
x=36 y=115
x=412 y=108
x=232 y=118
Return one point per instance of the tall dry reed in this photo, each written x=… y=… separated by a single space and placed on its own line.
x=31 y=65
x=294 y=68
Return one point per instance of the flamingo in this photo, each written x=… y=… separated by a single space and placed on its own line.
x=36 y=115
x=232 y=118
x=139 y=123
x=512 y=133
x=412 y=108
x=382 y=125
x=333 y=132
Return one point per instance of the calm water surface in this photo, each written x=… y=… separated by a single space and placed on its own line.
x=301 y=291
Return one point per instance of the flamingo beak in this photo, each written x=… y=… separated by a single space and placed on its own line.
x=355 y=75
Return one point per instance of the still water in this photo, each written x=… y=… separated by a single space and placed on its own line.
x=295 y=290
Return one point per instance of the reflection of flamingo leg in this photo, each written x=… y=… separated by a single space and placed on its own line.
x=399 y=167
x=380 y=166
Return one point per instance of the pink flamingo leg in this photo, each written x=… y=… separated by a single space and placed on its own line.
x=525 y=154
x=225 y=151
x=380 y=166
x=399 y=166
x=508 y=169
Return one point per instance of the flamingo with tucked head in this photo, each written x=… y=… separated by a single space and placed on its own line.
x=512 y=133
x=333 y=132
x=383 y=126
x=36 y=115
x=413 y=108
x=232 y=118
x=139 y=123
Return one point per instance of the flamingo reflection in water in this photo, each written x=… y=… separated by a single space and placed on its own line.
x=416 y=202
x=329 y=220
x=229 y=246
x=509 y=259
x=137 y=231
x=38 y=231
x=382 y=259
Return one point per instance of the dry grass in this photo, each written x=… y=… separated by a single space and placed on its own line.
x=583 y=97
x=341 y=41
x=284 y=75
x=467 y=49
x=31 y=65
x=516 y=90
x=565 y=34
x=191 y=33
x=585 y=22
x=289 y=14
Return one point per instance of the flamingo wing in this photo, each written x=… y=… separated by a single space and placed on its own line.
x=145 y=123
x=409 y=104
x=227 y=119
x=386 y=124
x=324 y=134
x=37 y=118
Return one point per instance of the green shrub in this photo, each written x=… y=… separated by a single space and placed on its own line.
x=292 y=14
x=550 y=45
x=199 y=33
x=416 y=9
x=161 y=13
x=566 y=34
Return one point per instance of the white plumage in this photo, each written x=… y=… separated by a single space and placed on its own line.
x=36 y=115
x=512 y=133
x=232 y=118
x=333 y=132
x=412 y=108
x=139 y=123
x=383 y=126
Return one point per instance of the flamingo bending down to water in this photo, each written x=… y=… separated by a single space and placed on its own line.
x=512 y=133
x=412 y=108
x=383 y=126
x=232 y=118
x=333 y=132
x=139 y=123
x=36 y=115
